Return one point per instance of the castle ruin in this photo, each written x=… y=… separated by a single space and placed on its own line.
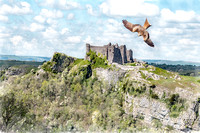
x=114 y=53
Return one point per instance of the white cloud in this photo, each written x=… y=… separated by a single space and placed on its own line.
x=129 y=8
x=178 y=16
x=16 y=40
x=186 y=41
x=172 y=30
x=36 y=27
x=39 y=19
x=113 y=26
x=61 y=4
x=3 y=18
x=166 y=31
x=70 y=16
x=24 y=8
x=52 y=22
x=64 y=30
x=67 y=4
x=51 y=14
x=88 y=40
x=32 y=48
x=73 y=39
x=4 y=33
x=90 y=9
x=50 y=33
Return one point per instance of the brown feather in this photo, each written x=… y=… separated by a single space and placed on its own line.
x=146 y=24
x=130 y=26
x=149 y=42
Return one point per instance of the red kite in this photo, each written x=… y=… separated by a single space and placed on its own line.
x=140 y=29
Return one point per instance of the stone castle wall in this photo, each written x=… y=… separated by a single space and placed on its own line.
x=114 y=53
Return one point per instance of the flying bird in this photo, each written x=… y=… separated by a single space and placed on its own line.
x=142 y=30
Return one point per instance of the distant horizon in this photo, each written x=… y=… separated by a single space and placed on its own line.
x=83 y=58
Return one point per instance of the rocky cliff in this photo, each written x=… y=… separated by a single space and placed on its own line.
x=69 y=94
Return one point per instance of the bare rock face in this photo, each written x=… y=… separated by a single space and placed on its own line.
x=112 y=77
x=41 y=74
x=14 y=71
x=151 y=109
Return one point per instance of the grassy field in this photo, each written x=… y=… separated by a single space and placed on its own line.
x=9 y=63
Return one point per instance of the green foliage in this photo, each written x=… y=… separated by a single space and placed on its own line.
x=169 y=128
x=2 y=75
x=132 y=88
x=97 y=61
x=17 y=67
x=77 y=61
x=58 y=63
x=187 y=70
x=68 y=97
x=175 y=104
x=157 y=123
x=143 y=75
x=12 y=110
x=152 y=94
x=9 y=63
x=47 y=66
x=68 y=102
x=131 y=64
x=161 y=71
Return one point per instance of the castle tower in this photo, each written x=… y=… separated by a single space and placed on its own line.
x=129 y=55
x=123 y=53
x=87 y=47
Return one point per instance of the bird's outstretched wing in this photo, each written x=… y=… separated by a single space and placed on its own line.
x=147 y=39
x=149 y=42
x=146 y=24
x=130 y=26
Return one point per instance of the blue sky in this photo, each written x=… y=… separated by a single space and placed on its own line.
x=42 y=27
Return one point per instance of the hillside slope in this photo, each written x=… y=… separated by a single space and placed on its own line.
x=69 y=94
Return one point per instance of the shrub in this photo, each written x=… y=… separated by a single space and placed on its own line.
x=97 y=61
x=152 y=94
x=132 y=88
x=47 y=66
x=157 y=123
x=58 y=63
x=175 y=104
x=173 y=99
x=12 y=110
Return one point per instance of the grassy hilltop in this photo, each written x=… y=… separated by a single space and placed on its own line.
x=70 y=94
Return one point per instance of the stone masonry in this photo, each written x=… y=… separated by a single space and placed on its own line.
x=114 y=53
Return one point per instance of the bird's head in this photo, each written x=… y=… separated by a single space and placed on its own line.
x=124 y=22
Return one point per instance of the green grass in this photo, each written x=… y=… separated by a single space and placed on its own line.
x=171 y=83
x=160 y=71
x=77 y=61
x=143 y=75
x=167 y=83
x=131 y=64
